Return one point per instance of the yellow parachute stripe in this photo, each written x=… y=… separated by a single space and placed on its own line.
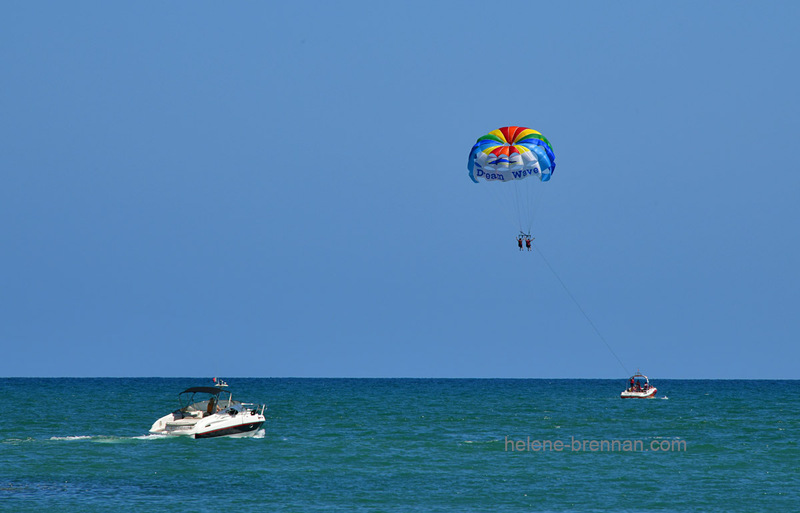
x=499 y=135
x=525 y=133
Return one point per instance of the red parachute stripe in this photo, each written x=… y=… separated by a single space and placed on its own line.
x=501 y=150
x=510 y=133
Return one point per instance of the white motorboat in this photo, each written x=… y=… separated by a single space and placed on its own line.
x=207 y=412
x=639 y=388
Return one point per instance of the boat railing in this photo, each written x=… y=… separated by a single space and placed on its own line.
x=254 y=407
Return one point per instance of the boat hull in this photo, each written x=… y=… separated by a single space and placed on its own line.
x=242 y=430
x=241 y=425
x=649 y=394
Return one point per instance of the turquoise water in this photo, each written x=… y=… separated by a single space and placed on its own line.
x=405 y=445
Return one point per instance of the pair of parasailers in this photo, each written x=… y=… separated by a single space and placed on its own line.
x=528 y=240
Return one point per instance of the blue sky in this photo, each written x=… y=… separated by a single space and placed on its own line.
x=253 y=189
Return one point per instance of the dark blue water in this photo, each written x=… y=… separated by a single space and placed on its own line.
x=406 y=445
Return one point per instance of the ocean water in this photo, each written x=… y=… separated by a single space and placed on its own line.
x=428 y=445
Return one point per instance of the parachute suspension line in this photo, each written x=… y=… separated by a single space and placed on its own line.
x=534 y=192
x=530 y=196
x=506 y=201
x=526 y=202
x=527 y=196
x=521 y=195
x=538 y=250
x=518 y=204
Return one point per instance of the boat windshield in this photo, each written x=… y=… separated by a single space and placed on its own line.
x=204 y=400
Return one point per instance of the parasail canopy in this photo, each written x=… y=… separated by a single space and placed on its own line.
x=511 y=153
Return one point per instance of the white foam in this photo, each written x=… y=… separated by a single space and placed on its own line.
x=150 y=436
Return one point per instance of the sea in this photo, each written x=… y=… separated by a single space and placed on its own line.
x=406 y=445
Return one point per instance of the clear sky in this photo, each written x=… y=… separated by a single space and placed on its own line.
x=280 y=189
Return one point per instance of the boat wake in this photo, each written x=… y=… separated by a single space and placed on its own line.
x=109 y=439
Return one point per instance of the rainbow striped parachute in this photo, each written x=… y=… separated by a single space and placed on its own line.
x=511 y=154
